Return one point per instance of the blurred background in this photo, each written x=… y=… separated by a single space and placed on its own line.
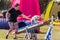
x=5 y=4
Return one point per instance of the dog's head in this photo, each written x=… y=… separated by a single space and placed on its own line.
x=37 y=17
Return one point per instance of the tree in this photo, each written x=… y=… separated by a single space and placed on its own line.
x=1 y=4
x=5 y=4
x=43 y=4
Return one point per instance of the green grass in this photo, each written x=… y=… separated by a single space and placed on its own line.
x=55 y=34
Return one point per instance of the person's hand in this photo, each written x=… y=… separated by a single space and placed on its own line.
x=29 y=16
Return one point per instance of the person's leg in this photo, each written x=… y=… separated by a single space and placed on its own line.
x=16 y=30
x=11 y=28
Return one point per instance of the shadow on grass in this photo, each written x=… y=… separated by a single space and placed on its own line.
x=40 y=39
x=43 y=32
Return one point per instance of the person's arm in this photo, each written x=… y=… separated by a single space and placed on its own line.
x=7 y=16
x=24 y=16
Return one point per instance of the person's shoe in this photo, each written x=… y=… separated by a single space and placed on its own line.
x=6 y=36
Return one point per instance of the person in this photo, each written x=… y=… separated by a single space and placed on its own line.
x=11 y=18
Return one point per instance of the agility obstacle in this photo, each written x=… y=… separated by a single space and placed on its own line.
x=49 y=32
x=48 y=10
x=30 y=26
x=28 y=7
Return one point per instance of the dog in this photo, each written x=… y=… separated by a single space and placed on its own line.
x=35 y=19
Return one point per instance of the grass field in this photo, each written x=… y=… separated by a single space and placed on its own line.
x=55 y=34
